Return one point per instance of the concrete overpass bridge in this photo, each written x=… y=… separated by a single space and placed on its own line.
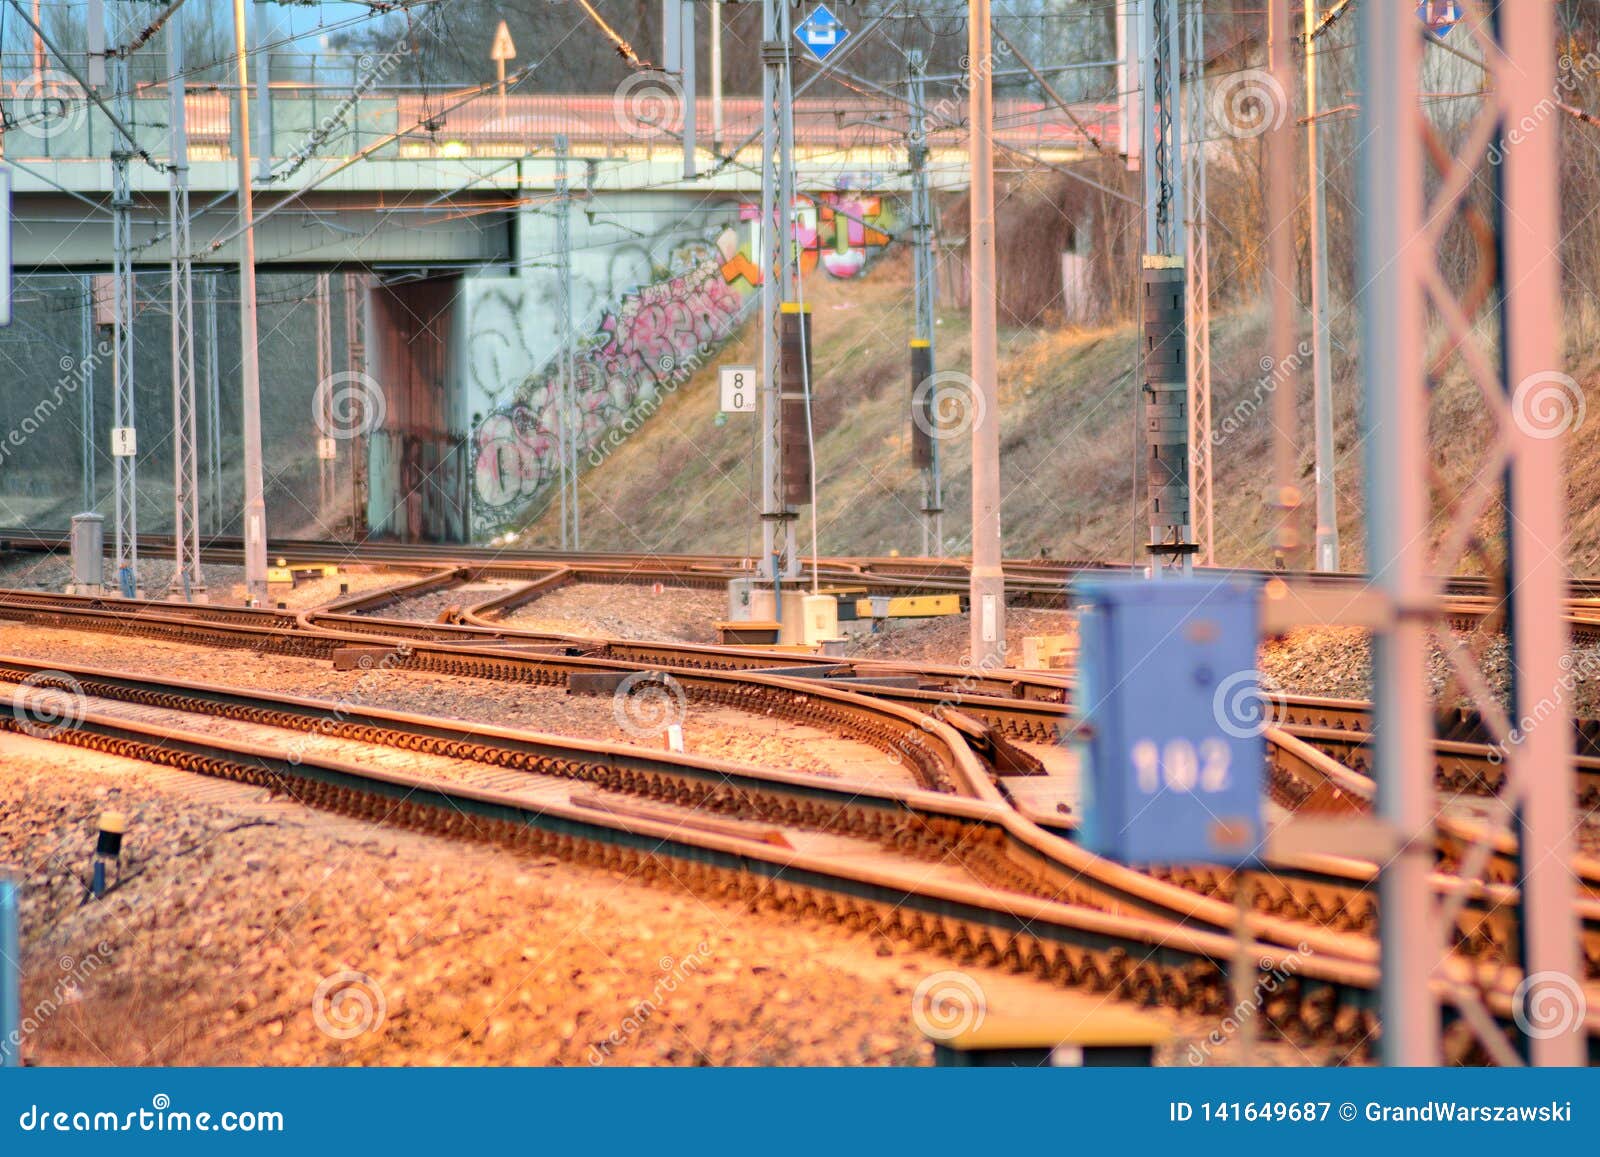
x=450 y=205
x=439 y=182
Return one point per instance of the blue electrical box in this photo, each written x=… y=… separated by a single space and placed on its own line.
x=1174 y=767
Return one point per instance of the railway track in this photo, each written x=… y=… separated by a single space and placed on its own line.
x=958 y=825
x=933 y=751
x=1334 y=894
x=990 y=711
x=876 y=875
x=1467 y=763
x=1042 y=583
x=981 y=709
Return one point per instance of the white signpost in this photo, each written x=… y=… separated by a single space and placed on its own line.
x=124 y=442
x=738 y=389
x=502 y=50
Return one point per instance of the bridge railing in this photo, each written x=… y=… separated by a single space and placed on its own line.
x=48 y=117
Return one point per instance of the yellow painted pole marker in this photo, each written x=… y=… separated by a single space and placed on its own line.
x=107 y=848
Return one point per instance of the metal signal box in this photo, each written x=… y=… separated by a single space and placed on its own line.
x=1171 y=720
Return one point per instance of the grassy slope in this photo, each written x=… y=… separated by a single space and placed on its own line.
x=1067 y=451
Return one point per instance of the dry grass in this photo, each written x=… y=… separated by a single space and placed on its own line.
x=1068 y=451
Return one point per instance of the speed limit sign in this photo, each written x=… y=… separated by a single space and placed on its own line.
x=738 y=389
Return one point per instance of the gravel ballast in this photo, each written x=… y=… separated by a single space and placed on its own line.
x=715 y=732
x=247 y=930
x=635 y=611
x=224 y=584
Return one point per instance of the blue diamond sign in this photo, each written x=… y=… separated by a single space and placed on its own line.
x=821 y=32
x=1439 y=15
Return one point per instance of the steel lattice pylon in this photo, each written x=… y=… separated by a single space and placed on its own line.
x=123 y=410
x=1497 y=326
x=188 y=580
x=925 y=270
x=1165 y=288
x=777 y=206
x=1198 y=259
x=1163 y=174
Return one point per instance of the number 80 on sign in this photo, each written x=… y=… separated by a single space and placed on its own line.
x=738 y=389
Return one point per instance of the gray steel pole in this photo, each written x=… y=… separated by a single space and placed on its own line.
x=1129 y=26
x=687 y=80
x=988 y=583
x=565 y=400
x=716 y=75
x=1396 y=415
x=188 y=578
x=1281 y=287
x=1327 y=547
x=86 y=363
x=255 y=507
x=1536 y=525
x=213 y=403
x=263 y=96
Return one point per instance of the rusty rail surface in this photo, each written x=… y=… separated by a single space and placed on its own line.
x=1326 y=998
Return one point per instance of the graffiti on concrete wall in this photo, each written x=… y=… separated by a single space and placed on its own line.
x=649 y=341
x=839 y=231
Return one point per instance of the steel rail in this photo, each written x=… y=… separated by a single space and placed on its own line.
x=950 y=825
x=1149 y=961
